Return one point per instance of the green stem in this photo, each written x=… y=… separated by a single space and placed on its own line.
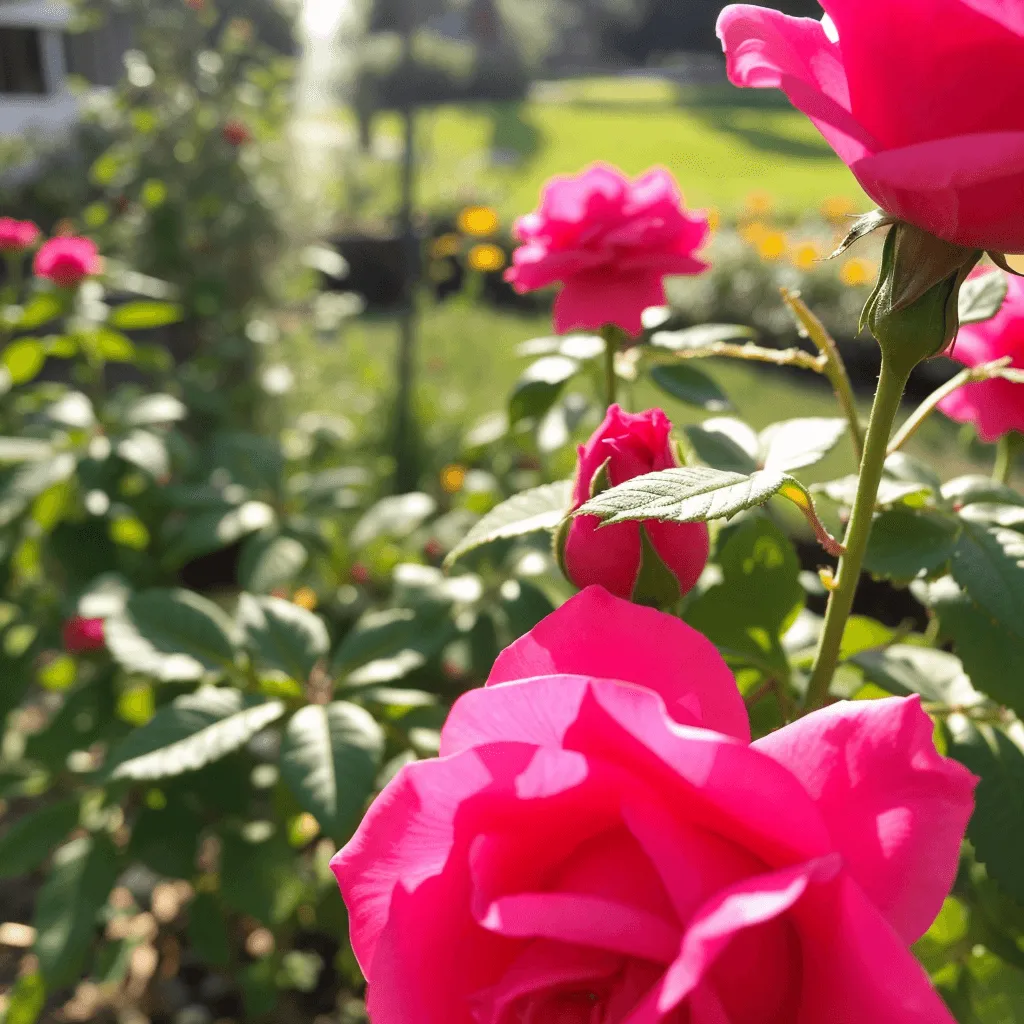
x=611 y=335
x=1006 y=452
x=891 y=383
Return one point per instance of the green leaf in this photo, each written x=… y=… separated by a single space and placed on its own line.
x=974 y=489
x=24 y=449
x=164 y=838
x=690 y=385
x=171 y=634
x=211 y=531
x=992 y=656
x=257 y=870
x=75 y=890
x=330 y=757
x=796 y=444
x=691 y=494
x=26 y=1000
x=396 y=517
x=23 y=359
x=541 y=508
x=31 y=839
x=725 y=443
x=701 y=336
x=146 y=450
x=113 y=346
x=29 y=481
x=982 y=297
x=267 y=563
x=997 y=826
x=384 y=646
x=155 y=410
x=39 y=310
x=987 y=563
x=539 y=387
x=193 y=731
x=283 y=636
x=759 y=598
x=207 y=930
x=905 y=543
x=904 y=669
x=72 y=409
x=138 y=316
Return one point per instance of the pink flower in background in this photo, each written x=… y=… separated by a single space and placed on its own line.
x=236 y=133
x=610 y=241
x=599 y=842
x=17 y=235
x=913 y=98
x=995 y=407
x=628 y=446
x=67 y=261
x=82 y=635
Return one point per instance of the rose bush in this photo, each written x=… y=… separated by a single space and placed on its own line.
x=626 y=446
x=911 y=97
x=599 y=842
x=996 y=406
x=611 y=242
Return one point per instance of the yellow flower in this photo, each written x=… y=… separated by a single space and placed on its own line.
x=445 y=245
x=806 y=255
x=760 y=203
x=452 y=478
x=714 y=218
x=772 y=246
x=305 y=597
x=486 y=258
x=478 y=221
x=753 y=233
x=857 y=272
x=838 y=208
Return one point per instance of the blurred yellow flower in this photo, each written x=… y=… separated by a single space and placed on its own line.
x=760 y=203
x=305 y=597
x=753 y=233
x=486 y=258
x=772 y=246
x=857 y=272
x=806 y=255
x=478 y=221
x=445 y=245
x=838 y=208
x=452 y=478
x=714 y=218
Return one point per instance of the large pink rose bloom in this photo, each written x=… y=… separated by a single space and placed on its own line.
x=627 y=446
x=913 y=96
x=995 y=407
x=600 y=843
x=611 y=242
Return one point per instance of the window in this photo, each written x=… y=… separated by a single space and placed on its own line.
x=21 y=62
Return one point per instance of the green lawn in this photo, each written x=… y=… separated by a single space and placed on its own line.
x=722 y=143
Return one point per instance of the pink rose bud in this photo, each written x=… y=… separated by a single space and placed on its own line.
x=611 y=242
x=82 y=635
x=649 y=562
x=996 y=406
x=66 y=261
x=236 y=133
x=919 y=116
x=600 y=842
x=17 y=235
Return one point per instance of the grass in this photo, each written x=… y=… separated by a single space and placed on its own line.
x=722 y=144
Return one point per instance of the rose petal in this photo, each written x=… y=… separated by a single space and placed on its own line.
x=608 y=556
x=590 y=299
x=896 y=809
x=598 y=635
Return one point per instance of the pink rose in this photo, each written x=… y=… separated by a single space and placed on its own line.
x=66 y=261
x=600 y=843
x=610 y=241
x=628 y=446
x=913 y=98
x=17 y=235
x=82 y=635
x=995 y=407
